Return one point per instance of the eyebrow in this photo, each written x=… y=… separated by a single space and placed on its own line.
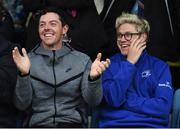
x=126 y=32
x=49 y=21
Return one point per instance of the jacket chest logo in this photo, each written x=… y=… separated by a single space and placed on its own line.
x=68 y=69
x=146 y=74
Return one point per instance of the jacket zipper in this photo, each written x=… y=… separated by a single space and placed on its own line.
x=55 y=109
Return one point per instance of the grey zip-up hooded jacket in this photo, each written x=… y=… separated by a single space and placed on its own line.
x=58 y=88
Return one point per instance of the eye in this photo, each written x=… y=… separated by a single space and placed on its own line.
x=41 y=25
x=119 y=35
x=127 y=34
x=53 y=23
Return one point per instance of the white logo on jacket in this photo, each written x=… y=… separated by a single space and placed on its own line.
x=166 y=84
x=146 y=73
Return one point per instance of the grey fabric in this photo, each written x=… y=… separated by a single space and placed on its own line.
x=175 y=122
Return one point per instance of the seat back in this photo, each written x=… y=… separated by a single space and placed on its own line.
x=175 y=119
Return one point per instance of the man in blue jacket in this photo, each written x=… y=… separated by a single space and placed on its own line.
x=137 y=87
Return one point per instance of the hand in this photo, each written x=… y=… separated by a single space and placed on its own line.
x=98 y=66
x=22 y=61
x=135 y=50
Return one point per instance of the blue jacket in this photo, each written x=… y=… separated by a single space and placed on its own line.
x=137 y=95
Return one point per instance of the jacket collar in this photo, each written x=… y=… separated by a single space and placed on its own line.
x=142 y=58
x=59 y=53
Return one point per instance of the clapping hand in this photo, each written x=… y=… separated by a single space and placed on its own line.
x=22 y=61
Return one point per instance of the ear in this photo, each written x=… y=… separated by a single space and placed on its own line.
x=65 y=29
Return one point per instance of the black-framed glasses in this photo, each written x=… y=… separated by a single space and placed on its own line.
x=127 y=36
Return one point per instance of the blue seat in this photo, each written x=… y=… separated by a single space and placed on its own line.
x=175 y=119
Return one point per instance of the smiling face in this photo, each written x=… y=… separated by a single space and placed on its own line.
x=126 y=33
x=51 y=31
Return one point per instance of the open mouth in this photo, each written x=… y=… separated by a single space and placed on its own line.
x=48 y=35
x=125 y=45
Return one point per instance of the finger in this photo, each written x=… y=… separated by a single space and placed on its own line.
x=99 y=71
x=142 y=48
x=99 y=55
x=108 y=61
x=16 y=52
x=105 y=63
x=103 y=66
x=15 y=55
x=140 y=45
x=24 y=52
x=138 y=42
x=133 y=42
x=13 y=51
x=143 y=39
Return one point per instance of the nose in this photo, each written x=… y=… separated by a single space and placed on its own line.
x=46 y=27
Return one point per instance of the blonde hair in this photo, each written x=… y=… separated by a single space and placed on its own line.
x=142 y=25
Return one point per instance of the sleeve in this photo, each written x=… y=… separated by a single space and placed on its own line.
x=116 y=80
x=159 y=105
x=91 y=90
x=23 y=92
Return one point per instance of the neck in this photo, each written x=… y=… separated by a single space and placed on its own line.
x=52 y=46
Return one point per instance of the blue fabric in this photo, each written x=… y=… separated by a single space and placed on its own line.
x=135 y=8
x=136 y=95
x=138 y=8
x=141 y=8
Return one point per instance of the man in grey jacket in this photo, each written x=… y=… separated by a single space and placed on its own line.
x=57 y=82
